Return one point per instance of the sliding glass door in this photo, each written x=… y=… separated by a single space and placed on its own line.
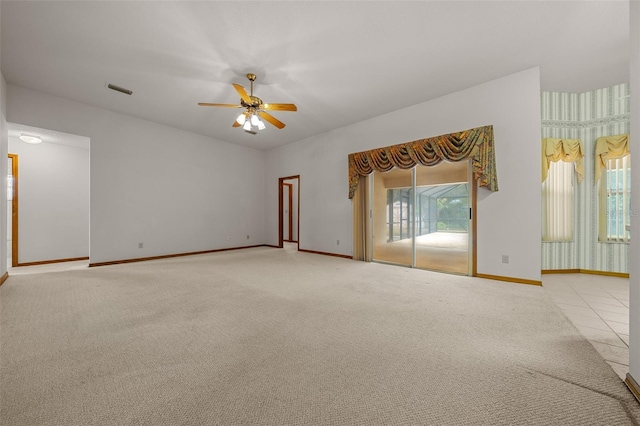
x=422 y=217
x=392 y=222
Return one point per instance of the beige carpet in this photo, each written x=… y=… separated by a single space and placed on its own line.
x=267 y=337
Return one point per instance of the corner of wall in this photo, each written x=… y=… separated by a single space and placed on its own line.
x=634 y=268
x=4 y=143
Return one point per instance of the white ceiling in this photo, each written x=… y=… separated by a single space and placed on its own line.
x=340 y=62
x=48 y=136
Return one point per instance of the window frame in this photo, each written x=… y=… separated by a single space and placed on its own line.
x=615 y=165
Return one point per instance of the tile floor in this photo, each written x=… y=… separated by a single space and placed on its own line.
x=599 y=308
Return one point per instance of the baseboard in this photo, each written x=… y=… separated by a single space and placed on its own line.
x=167 y=256
x=560 y=271
x=47 y=262
x=4 y=278
x=585 y=271
x=344 y=256
x=509 y=279
x=633 y=386
x=606 y=273
x=270 y=245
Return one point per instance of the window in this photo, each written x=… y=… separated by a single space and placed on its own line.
x=615 y=200
x=557 y=202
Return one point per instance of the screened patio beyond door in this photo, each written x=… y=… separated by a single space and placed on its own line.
x=421 y=217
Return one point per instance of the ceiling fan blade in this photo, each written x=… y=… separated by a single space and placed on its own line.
x=271 y=119
x=280 y=107
x=243 y=93
x=236 y=124
x=220 y=105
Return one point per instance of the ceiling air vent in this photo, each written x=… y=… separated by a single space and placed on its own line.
x=119 y=89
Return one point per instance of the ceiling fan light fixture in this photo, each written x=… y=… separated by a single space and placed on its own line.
x=250 y=119
x=30 y=138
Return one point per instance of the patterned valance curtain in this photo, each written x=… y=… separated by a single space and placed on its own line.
x=567 y=150
x=608 y=148
x=476 y=144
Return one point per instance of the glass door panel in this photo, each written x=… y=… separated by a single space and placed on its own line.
x=393 y=211
x=442 y=218
x=422 y=217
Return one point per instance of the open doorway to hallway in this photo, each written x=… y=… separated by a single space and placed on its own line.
x=12 y=211
x=48 y=211
x=289 y=210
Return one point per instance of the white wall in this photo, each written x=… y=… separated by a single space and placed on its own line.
x=508 y=220
x=4 y=137
x=172 y=190
x=4 y=141
x=634 y=266
x=53 y=195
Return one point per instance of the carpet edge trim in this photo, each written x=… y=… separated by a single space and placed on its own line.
x=633 y=386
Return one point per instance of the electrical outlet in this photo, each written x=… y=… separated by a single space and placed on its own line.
x=337 y=242
x=247 y=237
x=140 y=245
x=505 y=258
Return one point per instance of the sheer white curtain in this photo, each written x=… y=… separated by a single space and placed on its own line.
x=557 y=202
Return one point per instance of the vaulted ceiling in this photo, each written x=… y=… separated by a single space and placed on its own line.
x=340 y=62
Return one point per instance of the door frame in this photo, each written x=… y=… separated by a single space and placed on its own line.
x=473 y=212
x=14 y=210
x=290 y=222
x=281 y=183
x=472 y=245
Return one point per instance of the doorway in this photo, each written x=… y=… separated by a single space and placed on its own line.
x=287 y=214
x=12 y=211
x=54 y=201
x=423 y=217
x=289 y=210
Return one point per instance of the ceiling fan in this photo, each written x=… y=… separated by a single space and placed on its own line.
x=256 y=109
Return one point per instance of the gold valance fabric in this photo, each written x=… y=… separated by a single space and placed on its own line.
x=607 y=148
x=567 y=150
x=476 y=144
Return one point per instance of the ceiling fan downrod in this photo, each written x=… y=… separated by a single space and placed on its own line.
x=252 y=78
